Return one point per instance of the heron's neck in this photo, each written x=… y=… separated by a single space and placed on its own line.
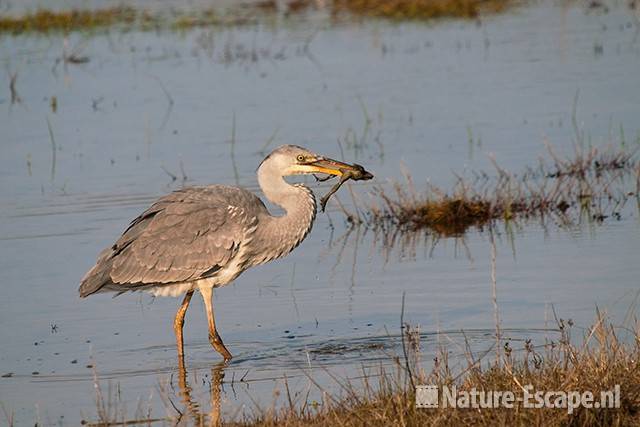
x=281 y=234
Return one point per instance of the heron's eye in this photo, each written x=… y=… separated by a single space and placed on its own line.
x=300 y=158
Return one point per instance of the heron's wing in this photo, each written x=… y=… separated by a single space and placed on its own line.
x=186 y=235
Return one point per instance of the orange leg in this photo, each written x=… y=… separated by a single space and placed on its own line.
x=214 y=338
x=178 y=323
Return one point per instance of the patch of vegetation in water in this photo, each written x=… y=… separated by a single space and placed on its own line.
x=403 y=10
x=130 y=18
x=50 y=21
x=591 y=185
x=123 y=18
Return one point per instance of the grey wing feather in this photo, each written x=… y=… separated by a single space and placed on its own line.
x=184 y=236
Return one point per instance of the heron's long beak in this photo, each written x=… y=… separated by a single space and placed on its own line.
x=334 y=167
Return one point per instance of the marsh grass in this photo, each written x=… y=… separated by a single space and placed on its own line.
x=122 y=17
x=591 y=185
x=605 y=356
x=49 y=21
x=129 y=18
x=416 y=10
x=599 y=362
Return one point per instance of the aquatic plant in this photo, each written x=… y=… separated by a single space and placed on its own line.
x=131 y=18
x=47 y=20
x=122 y=17
x=419 y=9
x=589 y=185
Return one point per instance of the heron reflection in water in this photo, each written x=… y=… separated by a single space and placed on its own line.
x=201 y=238
x=200 y=417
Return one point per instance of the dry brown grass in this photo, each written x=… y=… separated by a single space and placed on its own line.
x=47 y=21
x=419 y=9
x=604 y=357
x=600 y=362
x=589 y=185
x=129 y=18
x=124 y=18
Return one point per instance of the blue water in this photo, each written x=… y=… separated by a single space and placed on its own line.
x=396 y=96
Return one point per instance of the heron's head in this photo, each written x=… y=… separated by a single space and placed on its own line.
x=295 y=160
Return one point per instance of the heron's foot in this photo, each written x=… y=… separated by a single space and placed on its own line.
x=218 y=345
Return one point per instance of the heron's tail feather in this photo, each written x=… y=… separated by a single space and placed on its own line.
x=96 y=278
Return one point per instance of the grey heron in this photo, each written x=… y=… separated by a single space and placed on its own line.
x=201 y=238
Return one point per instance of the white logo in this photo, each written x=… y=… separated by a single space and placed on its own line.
x=428 y=396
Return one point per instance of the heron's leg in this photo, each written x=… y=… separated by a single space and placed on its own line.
x=214 y=338
x=178 y=323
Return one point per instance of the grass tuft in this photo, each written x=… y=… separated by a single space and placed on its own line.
x=605 y=359
x=419 y=9
x=600 y=362
x=590 y=185
x=130 y=18
x=50 y=21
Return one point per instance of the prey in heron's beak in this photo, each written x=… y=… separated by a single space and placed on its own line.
x=333 y=168
x=324 y=165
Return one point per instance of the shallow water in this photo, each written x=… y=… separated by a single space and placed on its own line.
x=148 y=101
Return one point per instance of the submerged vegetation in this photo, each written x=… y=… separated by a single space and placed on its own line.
x=130 y=18
x=592 y=185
